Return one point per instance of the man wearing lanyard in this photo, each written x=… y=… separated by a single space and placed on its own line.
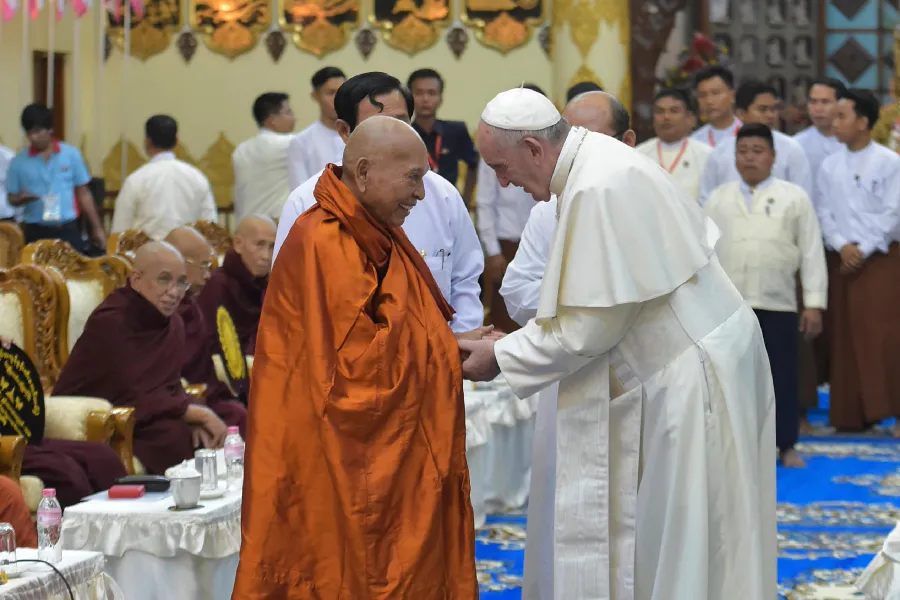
x=447 y=142
x=47 y=180
x=714 y=88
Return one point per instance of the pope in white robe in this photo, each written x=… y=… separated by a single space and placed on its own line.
x=665 y=481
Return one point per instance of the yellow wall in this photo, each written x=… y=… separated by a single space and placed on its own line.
x=213 y=94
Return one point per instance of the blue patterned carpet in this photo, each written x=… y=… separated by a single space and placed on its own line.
x=832 y=518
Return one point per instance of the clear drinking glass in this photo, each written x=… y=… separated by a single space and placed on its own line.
x=8 y=564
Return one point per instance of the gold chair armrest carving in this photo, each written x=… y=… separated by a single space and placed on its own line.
x=197 y=392
x=12 y=453
x=99 y=427
x=123 y=438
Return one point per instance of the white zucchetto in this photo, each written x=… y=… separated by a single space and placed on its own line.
x=520 y=109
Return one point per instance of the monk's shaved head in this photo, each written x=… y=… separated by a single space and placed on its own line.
x=385 y=163
x=197 y=253
x=600 y=112
x=254 y=241
x=159 y=276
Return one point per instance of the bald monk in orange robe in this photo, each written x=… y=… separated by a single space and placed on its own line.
x=356 y=485
x=14 y=511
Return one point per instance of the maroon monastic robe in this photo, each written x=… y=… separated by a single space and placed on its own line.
x=197 y=365
x=130 y=354
x=74 y=469
x=235 y=288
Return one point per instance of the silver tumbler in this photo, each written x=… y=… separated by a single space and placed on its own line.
x=206 y=464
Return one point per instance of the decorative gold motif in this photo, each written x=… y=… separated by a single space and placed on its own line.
x=407 y=26
x=235 y=362
x=217 y=236
x=503 y=24
x=319 y=26
x=230 y=27
x=12 y=240
x=150 y=34
x=218 y=168
x=584 y=74
x=112 y=165
x=126 y=243
x=584 y=24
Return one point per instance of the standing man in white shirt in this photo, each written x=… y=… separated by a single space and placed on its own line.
x=714 y=88
x=260 y=163
x=439 y=226
x=818 y=140
x=7 y=211
x=858 y=189
x=166 y=192
x=757 y=103
x=673 y=148
x=769 y=233
x=320 y=143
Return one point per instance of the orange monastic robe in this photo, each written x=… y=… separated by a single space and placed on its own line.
x=357 y=486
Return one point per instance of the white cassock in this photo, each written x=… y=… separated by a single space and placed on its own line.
x=441 y=230
x=260 y=174
x=310 y=150
x=817 y=147
x=767 y=236
x=712 y=137
x=163 y=194
x=7 y=211
x=665 y=454
x=502 y=211
x=684 y=160
x=791 y=165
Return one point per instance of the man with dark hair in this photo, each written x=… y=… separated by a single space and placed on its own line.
x=318 y=144
x=448 y=142
x=48 y=179
x=757 y=103
x=166 y=192
x=260 y=163
x=714 y=88
x=762 y=255
x=439 y=227
x=817 y=140
x=858 y=201
x=673 y=120
x=581 y=88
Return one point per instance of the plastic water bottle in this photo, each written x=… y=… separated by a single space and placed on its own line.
x=234 y=458
x=49 y=528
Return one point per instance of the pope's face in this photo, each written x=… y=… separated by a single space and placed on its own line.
x=522 y=163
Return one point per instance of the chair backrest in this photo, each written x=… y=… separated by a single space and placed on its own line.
x=12 y=240
x=86 y=281
x=31 y=311
x=126 y=243
x=217 y=236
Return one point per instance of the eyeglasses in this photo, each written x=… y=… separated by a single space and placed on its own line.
x=204 y=266
x=166 y=281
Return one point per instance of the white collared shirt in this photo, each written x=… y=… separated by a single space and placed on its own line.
x=440 y=228
x=791 y=165
x=163 y=194
x=713 y=137
x=502 y=211
x=261 y=174
x=310 y=150
x=767 y=235
x=859 y=198
x=686 y=166
x=817 y=147
x=7 y=211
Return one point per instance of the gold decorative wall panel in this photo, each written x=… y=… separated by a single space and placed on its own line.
x=231 y=27
x=150 y=34
x=319 y=26
x=409 y=25
x=502 y=24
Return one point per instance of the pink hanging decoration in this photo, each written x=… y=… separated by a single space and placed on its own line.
x=137 y=8
x=34 y=8
x=115 y=9
x=8 y=9
x=80 y=7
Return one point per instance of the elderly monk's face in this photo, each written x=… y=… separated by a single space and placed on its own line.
x=198 y=263
x=255 y=246
x=520 y=162
x=393 y=183
x=163 y=282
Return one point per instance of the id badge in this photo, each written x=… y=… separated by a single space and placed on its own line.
x=52 y=213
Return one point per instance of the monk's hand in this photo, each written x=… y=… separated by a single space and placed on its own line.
x=851 y=258
x=495 y=267
x=215 y=430
x=475 y=334
x=811 y=323
x=479 y=362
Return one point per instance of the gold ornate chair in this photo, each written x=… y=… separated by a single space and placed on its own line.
x=217 y=236
x=33 y=305
x=12 y=240
x=125 y=244
x=12 y=452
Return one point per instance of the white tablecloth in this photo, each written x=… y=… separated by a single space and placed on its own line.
x=154 y=553
x=83 y=571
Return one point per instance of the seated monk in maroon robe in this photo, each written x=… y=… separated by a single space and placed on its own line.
x=131 y=354
x=74 y=469
x=197 y=365
x=240 y=283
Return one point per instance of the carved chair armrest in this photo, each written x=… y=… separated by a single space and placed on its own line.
x=12 y=452
x=197 y=391
x=123 y=438
x=99 y=427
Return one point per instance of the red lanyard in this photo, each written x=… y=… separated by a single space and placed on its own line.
x=675 y=162
x=712 y=141
x=433 y=160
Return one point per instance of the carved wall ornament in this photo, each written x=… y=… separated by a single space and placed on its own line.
x=365 y=41
x=584 y=25
x=187 y=45
x=231 y=27
x=319 y=26
x=457 y=40
x=503 y=24
x=585 y=74
x=150 y=34
x=275 y=44
x=408 y=26
x=112 y=165
x=107 y=46
x=545 y=39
